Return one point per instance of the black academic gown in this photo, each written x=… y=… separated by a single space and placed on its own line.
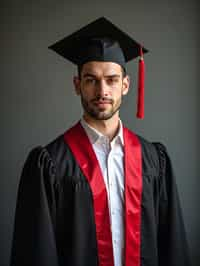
x=62 y=216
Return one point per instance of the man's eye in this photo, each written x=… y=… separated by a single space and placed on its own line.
x=112 y=80
x=90 y=81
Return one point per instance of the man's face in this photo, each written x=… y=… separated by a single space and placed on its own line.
x=101 y=87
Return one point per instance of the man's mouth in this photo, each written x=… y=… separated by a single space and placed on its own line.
x=102 y=102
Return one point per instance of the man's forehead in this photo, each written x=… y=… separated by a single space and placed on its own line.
x=106 y=68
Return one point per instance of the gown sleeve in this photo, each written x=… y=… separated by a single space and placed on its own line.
x=172 y=244
x=34 y=242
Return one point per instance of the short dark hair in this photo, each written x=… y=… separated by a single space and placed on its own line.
x=81 y=66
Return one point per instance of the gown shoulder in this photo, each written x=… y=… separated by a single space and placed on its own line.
x=155 y=157
x=39 y=163
x=46 y=161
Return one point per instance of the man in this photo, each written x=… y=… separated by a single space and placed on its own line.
x=99 y=194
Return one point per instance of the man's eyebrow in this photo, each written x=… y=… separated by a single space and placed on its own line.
x=113 y=76
x=106 y=76
x=89 y=75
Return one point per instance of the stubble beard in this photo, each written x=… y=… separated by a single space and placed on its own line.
x=100 y=113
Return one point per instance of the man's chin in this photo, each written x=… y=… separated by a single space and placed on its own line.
x=102 y=115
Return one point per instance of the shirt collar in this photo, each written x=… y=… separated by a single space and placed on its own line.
x=94 y=135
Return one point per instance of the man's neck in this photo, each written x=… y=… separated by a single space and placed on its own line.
x=107 y=127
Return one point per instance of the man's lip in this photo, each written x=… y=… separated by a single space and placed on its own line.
x=103 y=102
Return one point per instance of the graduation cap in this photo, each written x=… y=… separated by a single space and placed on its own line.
x=101 y=40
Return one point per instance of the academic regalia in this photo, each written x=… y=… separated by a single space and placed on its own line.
x=62 y=213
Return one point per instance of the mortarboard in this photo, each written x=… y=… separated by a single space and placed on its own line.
x=101 y=40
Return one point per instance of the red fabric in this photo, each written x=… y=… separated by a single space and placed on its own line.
x=86 y=158
x=133 y=197
x=141 y=77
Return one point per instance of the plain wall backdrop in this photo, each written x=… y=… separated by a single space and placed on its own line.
x=37 y=100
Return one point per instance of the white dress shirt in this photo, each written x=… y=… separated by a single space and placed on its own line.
x=110 y=157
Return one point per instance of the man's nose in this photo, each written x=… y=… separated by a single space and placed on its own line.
x=102 y=88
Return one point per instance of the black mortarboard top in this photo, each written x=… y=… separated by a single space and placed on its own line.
x=97 y=35
x=100 y=40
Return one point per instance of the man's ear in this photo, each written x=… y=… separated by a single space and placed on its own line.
x=77 y=84
x=125 y=85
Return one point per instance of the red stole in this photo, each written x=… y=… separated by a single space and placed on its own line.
x=81 y=148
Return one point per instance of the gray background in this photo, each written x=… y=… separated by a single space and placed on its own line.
x=37 y=101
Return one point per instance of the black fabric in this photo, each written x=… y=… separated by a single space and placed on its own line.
x=100 y=49
x=163 y=233
x=54 y=222
x=77 y=46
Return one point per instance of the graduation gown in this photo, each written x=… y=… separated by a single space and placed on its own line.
x=62 y=216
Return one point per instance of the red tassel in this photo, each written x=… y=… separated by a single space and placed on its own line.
x=141 y=74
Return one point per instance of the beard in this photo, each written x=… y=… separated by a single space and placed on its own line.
x=97 y=112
